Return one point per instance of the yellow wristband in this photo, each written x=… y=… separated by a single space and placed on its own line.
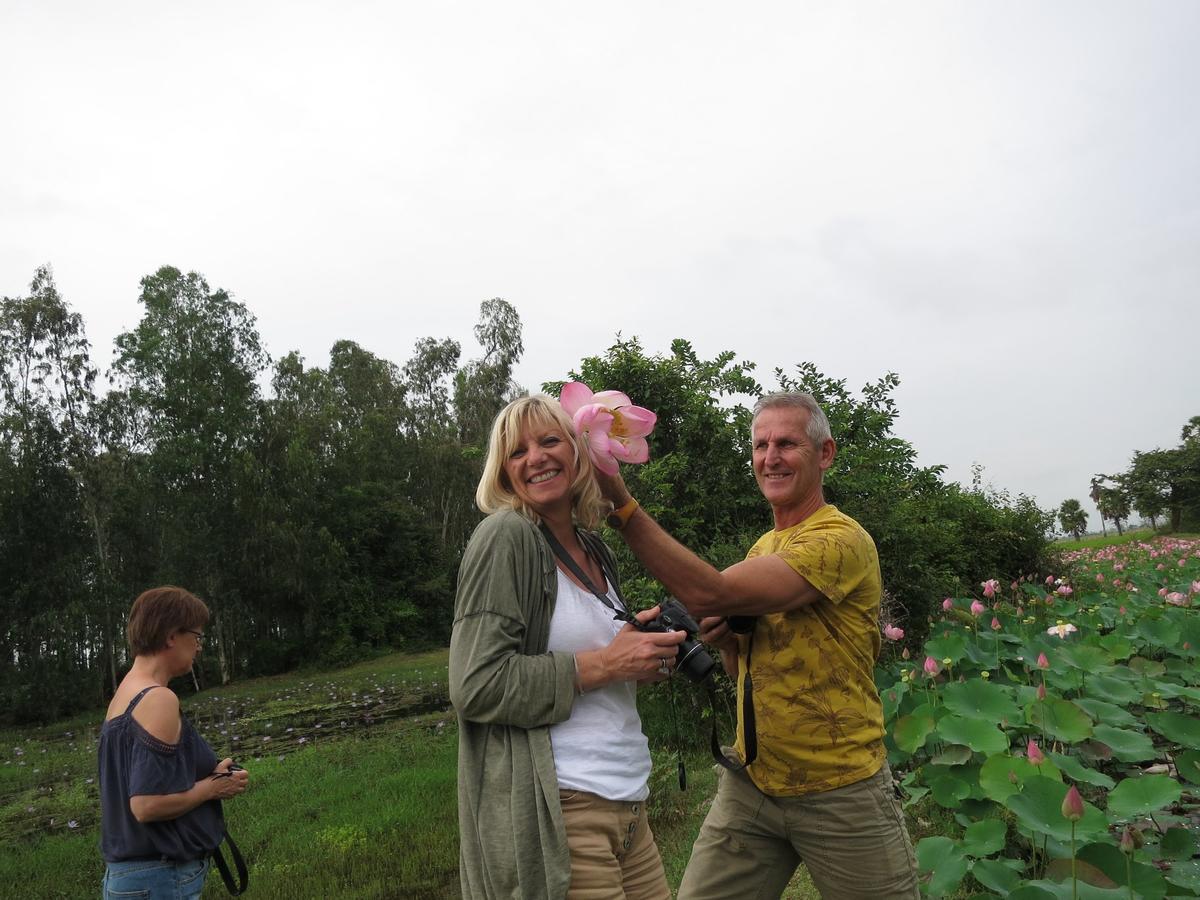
x=619 y=518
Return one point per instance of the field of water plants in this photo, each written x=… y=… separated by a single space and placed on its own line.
x=1047 y=732
x=1045 y=736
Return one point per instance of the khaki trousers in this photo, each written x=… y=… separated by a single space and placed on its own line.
x=852 y=839
x=613 y=853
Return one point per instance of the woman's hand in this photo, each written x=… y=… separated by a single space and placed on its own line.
x=632 y=655
x=228 y=780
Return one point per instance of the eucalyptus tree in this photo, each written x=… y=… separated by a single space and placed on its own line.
x=186 y=377
x=53 y=591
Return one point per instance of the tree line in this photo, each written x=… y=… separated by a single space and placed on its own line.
x=1159 y=484
x=321 y=511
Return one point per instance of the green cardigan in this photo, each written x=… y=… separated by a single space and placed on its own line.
x=507 y=690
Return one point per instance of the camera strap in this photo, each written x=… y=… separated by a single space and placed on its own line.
x=566 y=559
x=749 y=729
x=746 y=700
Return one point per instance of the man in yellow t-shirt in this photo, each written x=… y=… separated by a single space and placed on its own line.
x=819 y=790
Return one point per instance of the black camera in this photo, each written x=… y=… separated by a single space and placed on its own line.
x=691 y=658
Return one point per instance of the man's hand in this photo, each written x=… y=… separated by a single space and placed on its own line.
x=613 y=488
x=715 y=631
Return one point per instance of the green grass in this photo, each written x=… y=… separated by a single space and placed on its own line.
x=1095 y=541
x=357 y=809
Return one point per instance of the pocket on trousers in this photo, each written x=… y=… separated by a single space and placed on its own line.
x=188 y=872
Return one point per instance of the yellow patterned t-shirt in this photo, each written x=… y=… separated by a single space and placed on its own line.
x=819 y=719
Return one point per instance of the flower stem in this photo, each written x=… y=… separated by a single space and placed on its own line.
x=1074 y=880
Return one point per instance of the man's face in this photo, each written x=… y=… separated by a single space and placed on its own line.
x=786 y=464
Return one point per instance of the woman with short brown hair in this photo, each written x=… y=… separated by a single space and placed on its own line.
x=160 y=782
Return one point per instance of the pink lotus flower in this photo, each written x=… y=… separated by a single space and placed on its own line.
x=977 y=608
x=1121 y=610
x=892 y=633
x=931 y=666
x=1042 y=662
x=1072 y=805
x=1034 y=753
x=1118 y=567
x=1196 y=587
x=1064 y=590
x=1049 y=579
x=1177 y=599
x=947 y=604
x=995 y=624
x=1041 y=692
x=615 y=430
x=989 y=587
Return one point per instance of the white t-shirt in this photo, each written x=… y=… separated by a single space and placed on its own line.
x=601 y=748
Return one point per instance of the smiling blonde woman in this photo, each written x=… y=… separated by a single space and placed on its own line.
x=553 y=766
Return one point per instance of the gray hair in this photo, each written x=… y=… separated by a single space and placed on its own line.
x=818 y=425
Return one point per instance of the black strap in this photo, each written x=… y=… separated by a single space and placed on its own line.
x=749 y=727
x=746 y=699
x=138 y=697
x=234 y=887
x=567 y=560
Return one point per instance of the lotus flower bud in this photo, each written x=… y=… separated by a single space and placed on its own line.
x=1072 y=805
x=931 y=666
x=1034 y=754
x=1042 y=662
x=977 y=608
x=947 y=604
x=995 y=624
x=1041 y=692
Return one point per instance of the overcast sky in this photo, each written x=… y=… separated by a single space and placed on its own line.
x=998 y=201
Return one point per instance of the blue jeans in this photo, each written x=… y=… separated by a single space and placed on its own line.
x=155 y=879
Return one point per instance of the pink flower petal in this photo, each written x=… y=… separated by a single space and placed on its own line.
x=574 y=395
x=637 y=420
x=630 y=450
x=611 y=399
x=592 y=417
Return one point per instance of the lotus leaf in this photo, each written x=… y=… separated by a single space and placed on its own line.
x=1188 y=765
x=996 y=875
x=1147 y=881
x=1127 y=746
x=1181 y=729
x=1102 y=711
x=1158 y=632
x=977 y=699
x=1038 y=808
x=948 y=790
x=1061 y=719
x=944 y=858
x=984 y=838
x=911 y=731
x=1110 y=689
x=951 y=646
x=1079 y=772
x=1003 y=775
x=1137 y=796
x=1088 y=659
x=1177 y=843
x=977 y=734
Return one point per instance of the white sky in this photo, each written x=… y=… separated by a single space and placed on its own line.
x=997 y=200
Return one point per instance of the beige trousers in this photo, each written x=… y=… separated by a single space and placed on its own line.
x=613 y=853
x=852 y=839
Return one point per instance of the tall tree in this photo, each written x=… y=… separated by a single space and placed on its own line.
x=1073 y=518
x=188 y=375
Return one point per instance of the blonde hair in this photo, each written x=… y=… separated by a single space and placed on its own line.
x=495 y=492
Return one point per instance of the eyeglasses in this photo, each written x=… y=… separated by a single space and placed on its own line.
x=198 y=635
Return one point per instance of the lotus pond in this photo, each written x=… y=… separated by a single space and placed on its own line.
x=1053 y=722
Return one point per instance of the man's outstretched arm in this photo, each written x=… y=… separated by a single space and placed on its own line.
x=752 y=587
